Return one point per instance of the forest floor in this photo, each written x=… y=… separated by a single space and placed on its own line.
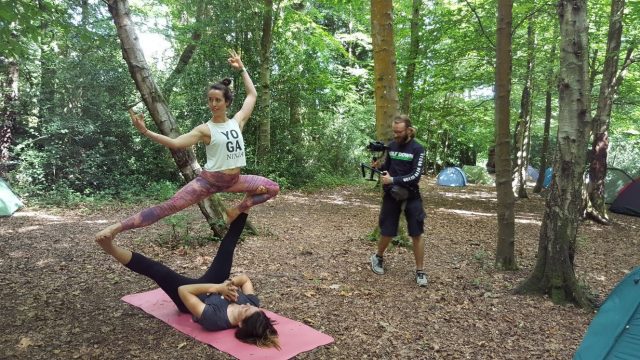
x=61 y=293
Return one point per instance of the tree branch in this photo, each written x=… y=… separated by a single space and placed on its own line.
x=475 y=13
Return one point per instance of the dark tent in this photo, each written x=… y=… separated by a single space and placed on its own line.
x=628 y=200
x=615 y=181
x=614 y=332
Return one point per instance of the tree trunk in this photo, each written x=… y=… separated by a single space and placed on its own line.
x=295 y=115
x=414 y=48
x=595 y=206
x=47 y=66
x=554 y=273
x=212 y=208
x=8 y=114
x=547 y=125
x=505 y=249
x=384 y=67
x=523 y=134
x=264 y=100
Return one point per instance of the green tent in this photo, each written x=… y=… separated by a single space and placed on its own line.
x=478 y=175
x=614 y=332
x=9 y=202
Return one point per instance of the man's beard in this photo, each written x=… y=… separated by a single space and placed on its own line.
x=403 y=140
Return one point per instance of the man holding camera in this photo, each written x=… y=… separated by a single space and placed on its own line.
x=401 y=173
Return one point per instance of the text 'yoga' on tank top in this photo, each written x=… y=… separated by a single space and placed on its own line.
x=226 y=149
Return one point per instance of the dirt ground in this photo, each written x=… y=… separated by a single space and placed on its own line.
x=61 y=294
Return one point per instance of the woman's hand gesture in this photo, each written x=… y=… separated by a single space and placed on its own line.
x=138 y=121
x=234 y=60
x=228 y=291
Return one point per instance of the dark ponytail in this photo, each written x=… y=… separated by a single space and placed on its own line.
x=258 y=329
x=224 y=86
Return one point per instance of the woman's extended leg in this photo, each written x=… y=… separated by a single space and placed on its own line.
x=258 y=189
x=196 y=190
x=220 y=267
x=168 y=280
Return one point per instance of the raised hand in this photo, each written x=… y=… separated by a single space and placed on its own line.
x=138 y=121
x=234 y=60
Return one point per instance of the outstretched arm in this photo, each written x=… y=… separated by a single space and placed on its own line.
x=243 y=115
x=189 y=295
x=199 y=133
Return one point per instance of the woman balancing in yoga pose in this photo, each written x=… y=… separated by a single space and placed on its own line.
x=225 y=157
x=215 y=301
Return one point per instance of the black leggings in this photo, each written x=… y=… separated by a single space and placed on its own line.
x=169 y=280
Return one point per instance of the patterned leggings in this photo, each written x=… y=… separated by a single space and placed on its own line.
x=170 y=281
x=203 y=186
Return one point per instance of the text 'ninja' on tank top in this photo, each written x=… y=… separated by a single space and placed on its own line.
x=226 y=148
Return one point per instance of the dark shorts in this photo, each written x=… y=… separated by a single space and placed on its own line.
x=390 y=216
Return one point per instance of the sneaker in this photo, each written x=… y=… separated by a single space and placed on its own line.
x=421 y=278
x=376 y=264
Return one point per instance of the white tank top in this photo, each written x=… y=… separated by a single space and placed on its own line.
x=226 y=149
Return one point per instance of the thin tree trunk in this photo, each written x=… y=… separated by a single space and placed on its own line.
x=264 y=112
x=8 y=113
x=384 y=67
x=187 y=54
x=554 y=273
x=523 y=135
x=547 y=125
x=295 y=115
x=505 y=248
x=47 y=66
x=185 y=159
x=595 y=205
x=414 y=48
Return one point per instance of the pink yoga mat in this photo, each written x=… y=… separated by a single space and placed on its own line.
x=295 y=337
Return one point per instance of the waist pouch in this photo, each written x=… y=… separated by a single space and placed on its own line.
x=399 y=193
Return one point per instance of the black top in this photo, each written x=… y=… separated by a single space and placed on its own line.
x=214 y=317
x=405 y=163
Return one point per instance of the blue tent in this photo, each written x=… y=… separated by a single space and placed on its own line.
x=452 y=176
x=547 y=177
x=614 y=332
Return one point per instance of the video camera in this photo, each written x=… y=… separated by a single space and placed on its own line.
x=374 y=147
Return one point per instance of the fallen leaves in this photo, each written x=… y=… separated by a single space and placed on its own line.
x=25 y=342
x=314 y=270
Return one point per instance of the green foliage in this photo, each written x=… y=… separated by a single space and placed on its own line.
x=74 y=141
x=180 y=235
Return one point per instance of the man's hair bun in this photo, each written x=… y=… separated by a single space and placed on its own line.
x=226 y=82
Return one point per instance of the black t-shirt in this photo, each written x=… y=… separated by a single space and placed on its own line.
x=405 y=163
x=214 y=316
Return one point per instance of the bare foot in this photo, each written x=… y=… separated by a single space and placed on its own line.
x=232 y=214
x=104 y=237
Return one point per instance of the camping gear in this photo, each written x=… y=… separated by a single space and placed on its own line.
x=294 y=336
x=477 y=175
x=548 y=175
x=614 y=332
x=452 y=176
x=532 y=173
x=614 y=182
x=628 y=200
x=9 y=202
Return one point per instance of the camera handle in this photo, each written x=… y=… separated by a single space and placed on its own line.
x=371 y=169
